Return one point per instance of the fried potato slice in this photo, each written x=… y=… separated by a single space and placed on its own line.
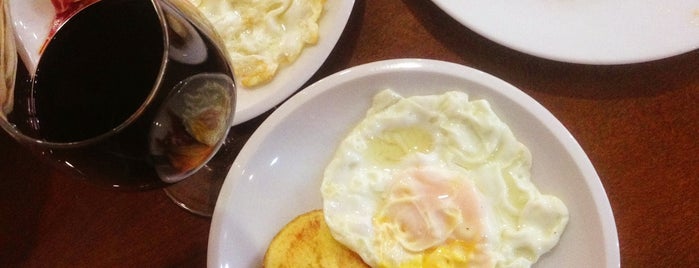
x=306 y=242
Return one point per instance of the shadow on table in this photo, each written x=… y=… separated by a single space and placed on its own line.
x=22 y=199
x=564 y=79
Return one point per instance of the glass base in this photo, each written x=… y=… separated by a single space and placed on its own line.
x=198 y=193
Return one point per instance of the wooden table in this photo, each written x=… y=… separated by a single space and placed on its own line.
x=638 y=123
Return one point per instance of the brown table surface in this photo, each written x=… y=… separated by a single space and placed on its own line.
x=638 y=123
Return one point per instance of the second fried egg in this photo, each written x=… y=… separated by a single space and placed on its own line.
x=263 y=35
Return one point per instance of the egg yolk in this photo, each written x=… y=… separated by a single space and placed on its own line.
x=392 y=145
x=434 y=214
x=452 y=254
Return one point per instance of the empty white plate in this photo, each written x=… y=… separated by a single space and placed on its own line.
x=584 y=31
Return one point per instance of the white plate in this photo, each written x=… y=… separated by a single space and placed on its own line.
x=32 y=20
x=584 y=31
x=277 y=174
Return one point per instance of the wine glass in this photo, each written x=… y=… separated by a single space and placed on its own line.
x=128 y=94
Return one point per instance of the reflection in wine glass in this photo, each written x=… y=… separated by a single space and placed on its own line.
x=129 y=94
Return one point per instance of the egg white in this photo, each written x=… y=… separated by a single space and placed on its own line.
x=263 y=35
x=464 y=145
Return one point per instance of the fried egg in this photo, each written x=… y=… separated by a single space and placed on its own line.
x=263 y=35
x=437 y=181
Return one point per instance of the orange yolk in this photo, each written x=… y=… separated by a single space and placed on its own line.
x=432 y=211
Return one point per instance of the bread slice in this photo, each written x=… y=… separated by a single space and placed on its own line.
x=306 y=242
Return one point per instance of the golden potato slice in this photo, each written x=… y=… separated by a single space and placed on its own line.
x=306 y=242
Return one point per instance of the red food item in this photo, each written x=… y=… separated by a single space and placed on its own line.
x=67 y=8
x=64 y=10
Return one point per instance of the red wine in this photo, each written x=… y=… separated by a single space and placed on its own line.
x=97 y=70
x=100 y=86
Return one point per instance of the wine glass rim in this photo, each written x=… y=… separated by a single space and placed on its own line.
x=162 y=21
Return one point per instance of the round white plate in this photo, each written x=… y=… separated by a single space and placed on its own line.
x=584 y=31
x=32 y=20
x=277 y=175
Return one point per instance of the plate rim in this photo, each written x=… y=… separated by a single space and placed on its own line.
x=592 y=180
x=447 y=7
